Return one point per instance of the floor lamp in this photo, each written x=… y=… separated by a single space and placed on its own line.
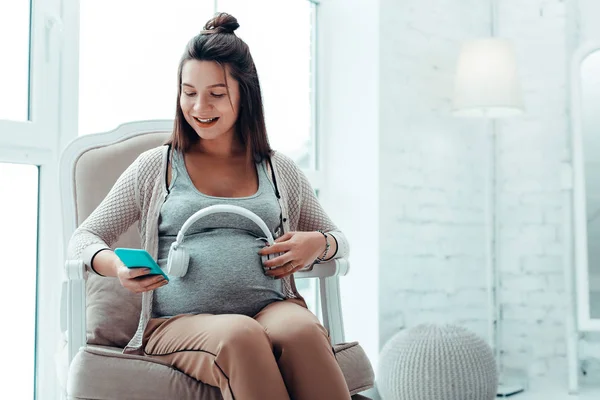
x=487 y=86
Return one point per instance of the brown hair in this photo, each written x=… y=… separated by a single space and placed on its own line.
x=217 y=42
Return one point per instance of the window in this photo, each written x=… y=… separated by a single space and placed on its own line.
x=29 y=137
x=14 y=70
x=128 y=72
x=19 y=216
x=309 y=290
x=279 y=34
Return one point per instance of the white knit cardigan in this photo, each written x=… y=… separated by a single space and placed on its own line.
x=139 y=194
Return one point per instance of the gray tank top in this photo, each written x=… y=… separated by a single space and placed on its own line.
x=225 y=273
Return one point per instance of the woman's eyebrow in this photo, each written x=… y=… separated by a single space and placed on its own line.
x=208 y=87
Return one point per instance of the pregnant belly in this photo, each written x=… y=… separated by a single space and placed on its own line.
x=225 y=276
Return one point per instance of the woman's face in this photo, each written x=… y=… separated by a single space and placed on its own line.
x=205 y=101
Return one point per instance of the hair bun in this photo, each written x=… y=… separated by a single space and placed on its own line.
x=221 y=23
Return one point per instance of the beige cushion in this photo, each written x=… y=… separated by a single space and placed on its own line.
x=355 y=365
x=112 y=311
x=105 y=373
x=99 y=372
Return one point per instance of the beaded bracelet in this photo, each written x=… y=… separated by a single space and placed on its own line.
x=327 y=245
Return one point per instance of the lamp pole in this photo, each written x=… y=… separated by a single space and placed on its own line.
x=487 y=86
x=494 y=281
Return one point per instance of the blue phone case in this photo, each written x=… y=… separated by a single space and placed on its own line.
x=137 y=258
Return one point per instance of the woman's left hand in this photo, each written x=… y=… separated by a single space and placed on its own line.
x=299 y=250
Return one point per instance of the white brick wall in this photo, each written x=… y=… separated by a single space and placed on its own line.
x=432 y=175
x=432 y=178
x=531 y=150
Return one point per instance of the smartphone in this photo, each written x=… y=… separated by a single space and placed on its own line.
x=138 y=258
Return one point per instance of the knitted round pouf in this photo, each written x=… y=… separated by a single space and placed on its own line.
x=437 y=362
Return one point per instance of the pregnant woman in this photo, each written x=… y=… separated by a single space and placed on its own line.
x=231 y=321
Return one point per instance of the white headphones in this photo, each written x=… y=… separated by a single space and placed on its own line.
x=179 y=258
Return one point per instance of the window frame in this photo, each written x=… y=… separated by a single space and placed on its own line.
x=36 y=142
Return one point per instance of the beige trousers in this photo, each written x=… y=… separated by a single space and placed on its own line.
x=282 y=353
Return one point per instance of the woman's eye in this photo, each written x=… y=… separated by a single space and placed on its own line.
x=217 y=95
x=189 y=93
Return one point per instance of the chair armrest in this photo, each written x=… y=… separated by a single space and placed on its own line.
x=335 y=267
x=328 y=274
x=75 y=269
x=75 y=306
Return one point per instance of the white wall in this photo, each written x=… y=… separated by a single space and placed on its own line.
x=349 y=121
x=532 y=148
x=432 y=177
x=589 y=28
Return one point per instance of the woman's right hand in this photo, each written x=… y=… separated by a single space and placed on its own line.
x=137 y=280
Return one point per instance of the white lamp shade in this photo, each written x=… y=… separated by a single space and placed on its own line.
x=486 y=83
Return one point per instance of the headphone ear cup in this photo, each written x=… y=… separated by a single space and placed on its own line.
x=270 y=256
x=178 y=261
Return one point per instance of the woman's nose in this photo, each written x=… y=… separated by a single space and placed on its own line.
x=201 y=104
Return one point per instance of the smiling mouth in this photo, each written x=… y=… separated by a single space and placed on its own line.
x=207 y=120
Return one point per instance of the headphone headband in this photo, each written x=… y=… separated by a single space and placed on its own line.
x=223 y=208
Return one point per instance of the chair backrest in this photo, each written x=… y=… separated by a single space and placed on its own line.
x=90 y=165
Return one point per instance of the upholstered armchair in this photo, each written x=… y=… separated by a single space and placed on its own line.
x=99 y=316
